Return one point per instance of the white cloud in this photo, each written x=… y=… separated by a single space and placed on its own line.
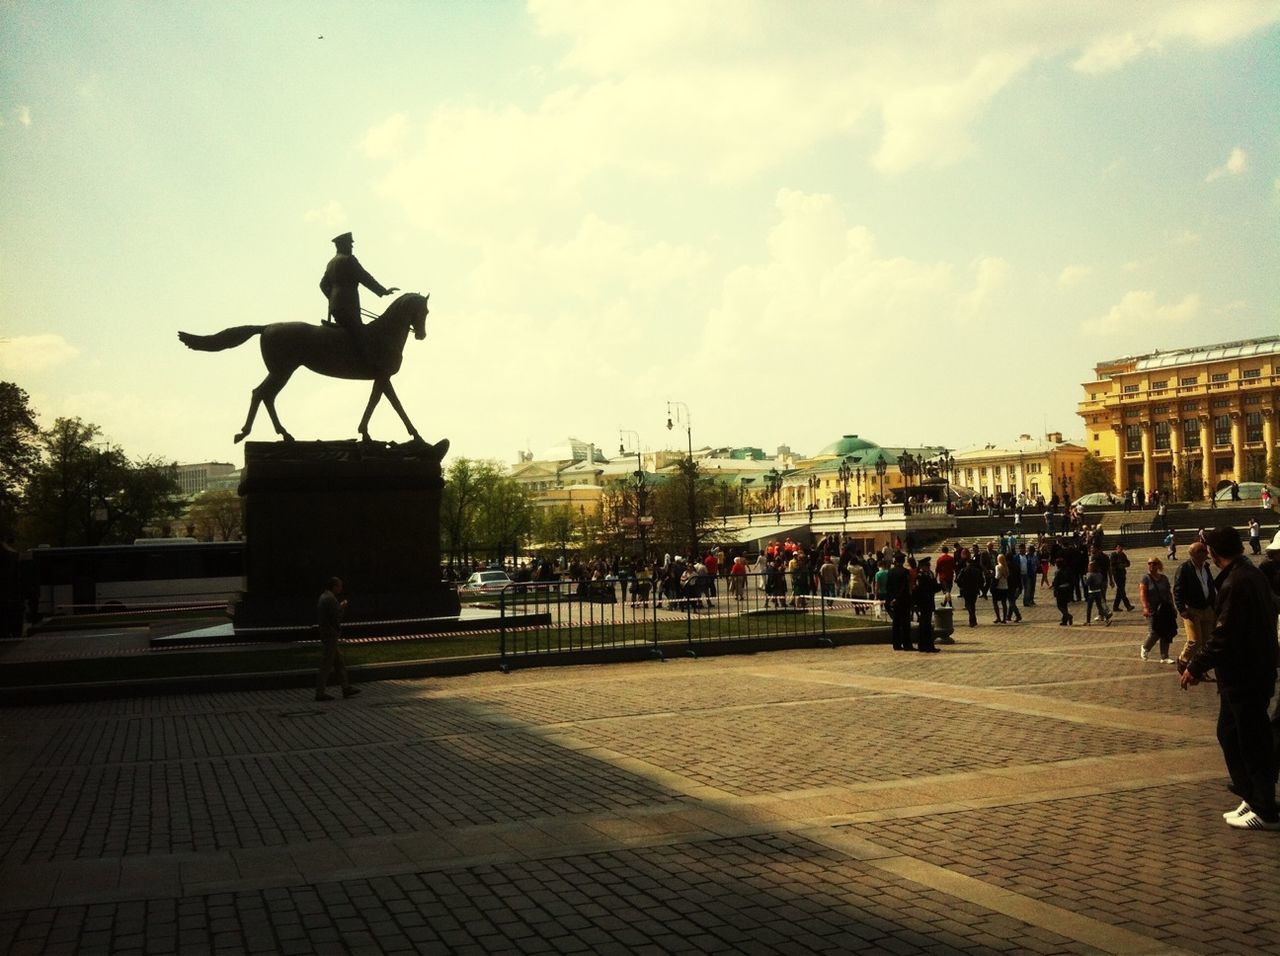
x=331 y=214
x=1186 y=237
x=1236 y=165
x=24 y=115
x=35 y=353
x=825 y=284
x=386 y=138
x=1131 y=30
x=1138 y=311
x=989 y=278
x=1073 y=275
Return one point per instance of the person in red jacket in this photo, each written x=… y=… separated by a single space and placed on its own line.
x=946 y=574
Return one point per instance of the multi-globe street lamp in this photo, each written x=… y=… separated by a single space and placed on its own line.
x=845 y=473
x=881 y=467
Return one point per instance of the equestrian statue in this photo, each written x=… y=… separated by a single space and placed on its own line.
x=345 y=348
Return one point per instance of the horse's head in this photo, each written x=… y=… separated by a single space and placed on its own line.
x=418 y=322
x=410 y=309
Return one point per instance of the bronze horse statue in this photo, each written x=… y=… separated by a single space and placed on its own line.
x=327 y=350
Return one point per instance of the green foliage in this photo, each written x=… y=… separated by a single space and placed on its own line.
x=1095 y=476
x=217 y=516
x=483 y=507
x=19 y=453
x=86 y=491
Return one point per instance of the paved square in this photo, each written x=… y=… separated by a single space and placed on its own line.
x=1030 y=789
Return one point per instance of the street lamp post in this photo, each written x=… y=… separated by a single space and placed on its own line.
x=693 y=493
x=908 y=465
x=945 y=464
x=774 y=481
x=845 y=473
x=641 y=488
x=881 y=467
x=861 y=475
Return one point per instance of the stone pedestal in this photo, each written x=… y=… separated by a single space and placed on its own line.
x=364 y=511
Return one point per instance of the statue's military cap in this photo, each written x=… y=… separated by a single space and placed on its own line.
x=345 y=237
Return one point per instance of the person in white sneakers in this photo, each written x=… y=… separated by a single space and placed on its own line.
x=1242 y=651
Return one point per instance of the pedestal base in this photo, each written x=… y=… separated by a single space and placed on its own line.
x=362 y=511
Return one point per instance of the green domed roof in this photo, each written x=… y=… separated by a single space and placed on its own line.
x=847 y=445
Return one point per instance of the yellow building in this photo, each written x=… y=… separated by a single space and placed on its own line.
x=1186 y=420
x=1032 y=467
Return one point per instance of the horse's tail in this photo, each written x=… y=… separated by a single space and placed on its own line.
x=226 y=339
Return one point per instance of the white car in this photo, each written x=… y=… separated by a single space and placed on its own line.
x=486 y=582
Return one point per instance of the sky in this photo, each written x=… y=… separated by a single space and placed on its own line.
x=922 y=223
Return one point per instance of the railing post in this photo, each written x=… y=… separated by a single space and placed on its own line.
x=502 y=633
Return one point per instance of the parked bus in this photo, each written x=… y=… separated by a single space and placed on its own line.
x=164 y=574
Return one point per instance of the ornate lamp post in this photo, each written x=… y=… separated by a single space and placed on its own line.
x=881 y=467
x=774 y=482
x=845 y=473
x=693 y=493
x=909 y=466
x=861 y=474
x=945 y=464
x=814 y=482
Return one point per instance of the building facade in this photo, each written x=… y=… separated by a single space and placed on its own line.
x=1186 y=421
x=196 y=477
x=1033 y=467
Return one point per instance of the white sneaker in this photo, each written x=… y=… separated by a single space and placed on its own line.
x=1243 y=808
x=1143 y=652
x=1166 y=660
x=1251 y=821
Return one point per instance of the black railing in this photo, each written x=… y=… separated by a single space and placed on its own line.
x=623 y=615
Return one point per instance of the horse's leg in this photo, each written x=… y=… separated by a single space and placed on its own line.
x=395 y=403
x=278 y=380
x=375 y=395
x=255 y=400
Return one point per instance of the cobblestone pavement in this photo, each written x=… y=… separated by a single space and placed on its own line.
x=1032 y=789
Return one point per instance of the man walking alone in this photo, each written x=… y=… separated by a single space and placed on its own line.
x=329 y=611
x=1242 y=651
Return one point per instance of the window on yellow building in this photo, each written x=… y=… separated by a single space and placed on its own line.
x=1189 y=380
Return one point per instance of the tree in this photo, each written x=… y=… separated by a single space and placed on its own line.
x=459 y=502
x=505 y=512
x=19 y=453
x=483 y=507
x=1095 y=476
x=217 y=515
x=86 y=491
x=554 y=525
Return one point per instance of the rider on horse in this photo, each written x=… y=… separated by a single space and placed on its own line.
x=343 y=277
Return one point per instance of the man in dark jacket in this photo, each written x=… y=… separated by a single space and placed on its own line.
x=1242 y=651
x=1119 y=572
x=1194 y=595
x=898 y=595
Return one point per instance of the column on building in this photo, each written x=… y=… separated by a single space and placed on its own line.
x=1237 y=444
x=1269 y=437
x=1121 y=480
x=1175 y=451
x=1148 y=464
x=1206 y=457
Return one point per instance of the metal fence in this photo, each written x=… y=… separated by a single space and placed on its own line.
x=622 y=615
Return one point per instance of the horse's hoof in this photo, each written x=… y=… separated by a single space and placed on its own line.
x=285 y=436
x=240 y=436
x=364 y=437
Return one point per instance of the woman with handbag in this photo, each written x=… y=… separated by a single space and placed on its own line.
x=1156 y=594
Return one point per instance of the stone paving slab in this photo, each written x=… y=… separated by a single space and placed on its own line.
x=1031 y=789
